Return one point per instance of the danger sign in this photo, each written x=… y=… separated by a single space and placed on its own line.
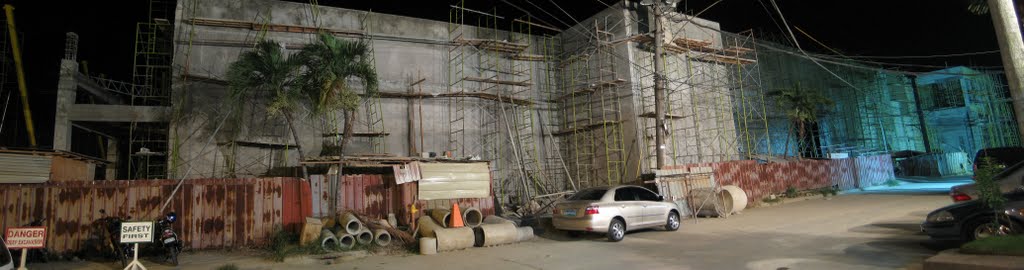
x=25 y=237
x=136 y=232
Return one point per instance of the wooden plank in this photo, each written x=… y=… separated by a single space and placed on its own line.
x=494 y=81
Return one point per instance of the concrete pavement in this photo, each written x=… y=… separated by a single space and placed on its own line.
x=859 y=231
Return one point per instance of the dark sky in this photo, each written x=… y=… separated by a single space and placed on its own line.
x=875 y=28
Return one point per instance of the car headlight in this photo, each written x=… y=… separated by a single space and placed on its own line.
x=941 y=216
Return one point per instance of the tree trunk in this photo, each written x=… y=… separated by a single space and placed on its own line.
x=350 y=119
x=789 y=135
x=298 y=147
x=801 y=145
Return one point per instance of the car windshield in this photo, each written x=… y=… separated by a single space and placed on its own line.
x=589 y=194
x=5 y=256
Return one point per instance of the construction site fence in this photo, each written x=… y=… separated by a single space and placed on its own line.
x=213 y=213
x=377 y=195
x=938 y=165
x=760 y=180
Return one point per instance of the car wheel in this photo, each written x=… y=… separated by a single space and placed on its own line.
x=672 y=224
x=616 y=230
x=575 y=234
x=984 y=227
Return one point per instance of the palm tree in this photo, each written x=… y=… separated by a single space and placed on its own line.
x=267 y=74
x=801 y=108
x=328 y=64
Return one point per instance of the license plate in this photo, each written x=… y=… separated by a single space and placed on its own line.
x=169 y=240
x=570 y=212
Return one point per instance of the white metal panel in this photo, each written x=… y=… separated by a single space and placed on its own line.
x=24 y=168
x=454 y=180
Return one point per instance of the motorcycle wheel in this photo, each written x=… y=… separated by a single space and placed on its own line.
x=174 y=251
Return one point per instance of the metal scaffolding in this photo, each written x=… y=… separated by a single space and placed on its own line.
x=151 y=73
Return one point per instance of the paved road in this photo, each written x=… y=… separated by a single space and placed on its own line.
x=858 y=231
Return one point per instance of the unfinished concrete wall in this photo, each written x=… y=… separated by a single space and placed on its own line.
x=598 y=118
x=406 y=50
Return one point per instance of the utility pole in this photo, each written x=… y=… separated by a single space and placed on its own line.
x=1011 y=47
x=656 y=8
x=920 y=115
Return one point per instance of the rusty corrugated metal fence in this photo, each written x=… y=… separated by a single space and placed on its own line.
x=377 y=195
x=212 y=213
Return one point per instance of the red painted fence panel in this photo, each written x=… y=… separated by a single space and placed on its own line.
x=759 y=180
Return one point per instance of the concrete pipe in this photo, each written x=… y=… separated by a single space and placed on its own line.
x=524 y=234
x=428 y=246
x=350 y=223
x=442 y=216
x=497 y=234
x=327 y=239
x=381 y=237
x=737 y=196
x=346 y=242
x=364 y=237
x=454 y=238
x=496 y=220
x=338 y=230
x=472 y=217
x=426 y=226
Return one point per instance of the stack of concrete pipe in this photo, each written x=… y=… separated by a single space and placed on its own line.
x=478 y=232
x=349 y=230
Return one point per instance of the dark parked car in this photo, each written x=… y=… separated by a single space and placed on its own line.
x=1007 y=158
x=966 y=221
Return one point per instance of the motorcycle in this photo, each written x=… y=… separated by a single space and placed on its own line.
x=169 y=239
x=107 y=231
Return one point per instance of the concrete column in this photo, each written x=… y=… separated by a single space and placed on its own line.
x=66 y=87
x=1011 y=46
x=112 y=158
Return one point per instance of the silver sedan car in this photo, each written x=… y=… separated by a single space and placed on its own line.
x=614 y=210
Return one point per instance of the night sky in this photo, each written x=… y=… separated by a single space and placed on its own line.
x=855 y=28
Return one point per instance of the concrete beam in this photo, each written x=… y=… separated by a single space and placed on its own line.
x=97 y=90
x=119 y=113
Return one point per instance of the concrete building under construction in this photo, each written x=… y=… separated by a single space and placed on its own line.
x=552 y=109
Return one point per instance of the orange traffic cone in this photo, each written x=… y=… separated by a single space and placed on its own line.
x=456 y=219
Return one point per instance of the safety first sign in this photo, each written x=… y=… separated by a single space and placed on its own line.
x=25 y=237
x=136 y=232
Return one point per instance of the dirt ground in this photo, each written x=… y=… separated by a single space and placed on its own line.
x=857 y=231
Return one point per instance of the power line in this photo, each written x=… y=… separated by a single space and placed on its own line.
x=925 y=56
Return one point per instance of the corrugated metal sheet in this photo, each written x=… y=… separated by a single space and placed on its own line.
x=68 y=169
x=406 y=173
x=378 y=195
x=24 y=168
x=874 y=170
x=213 y=213
x=945 y=164
x=454 y=181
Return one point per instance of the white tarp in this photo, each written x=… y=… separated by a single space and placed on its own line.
x=454 y=180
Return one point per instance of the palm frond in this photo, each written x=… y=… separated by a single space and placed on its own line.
x=328 y=63
x=264 y=73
